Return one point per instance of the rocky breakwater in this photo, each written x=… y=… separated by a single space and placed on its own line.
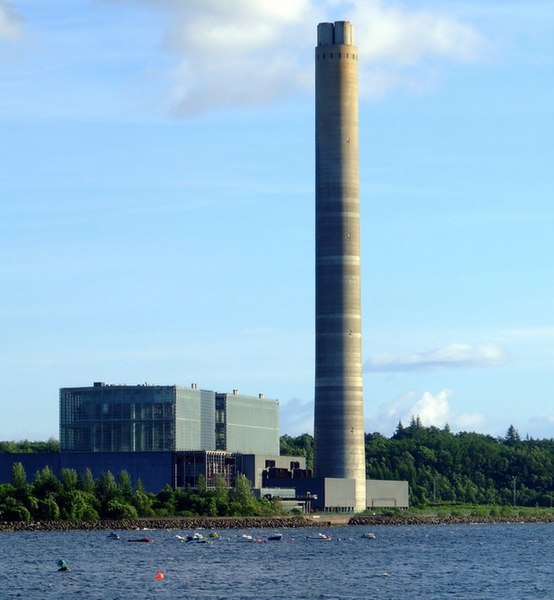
x=165 y=523
x=447 y=519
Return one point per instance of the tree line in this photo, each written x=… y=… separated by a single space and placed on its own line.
x=28 y=447
x=73 y=497
x=462 y=468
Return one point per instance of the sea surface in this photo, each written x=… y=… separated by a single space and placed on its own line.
x=476 y=562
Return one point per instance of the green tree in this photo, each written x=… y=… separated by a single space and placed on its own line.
x=399 y=432
x=86 y=482
x=13 y=510
x=69 y=479
x=512 y=436
x=164 y=504
x=28 y=447
x=48 y=509
x=116 y=509
x=45 y=483
x=143 y=502
x=221 y=496
x=19 y=477
x=242 y=500
x=106 y=487
x=201 y=484
x=125 y=485
x=77 y=505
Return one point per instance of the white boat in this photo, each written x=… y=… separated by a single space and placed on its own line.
x=369 y=535
x=196 y=538
x=322 y=537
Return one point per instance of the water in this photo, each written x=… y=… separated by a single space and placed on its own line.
x=407 y=562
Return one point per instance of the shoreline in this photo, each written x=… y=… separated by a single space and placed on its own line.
x=214 y=523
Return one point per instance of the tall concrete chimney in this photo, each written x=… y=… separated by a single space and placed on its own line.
x=338 y=419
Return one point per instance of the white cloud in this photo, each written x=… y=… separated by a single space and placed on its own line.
x=249 y=52
x=451 y=356
x=406 y=36
x=10 y=25
x=235 y=54
x=396 y=45
x=432 y=409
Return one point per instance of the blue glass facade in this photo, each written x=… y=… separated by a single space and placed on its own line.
x=118 y=418
x=152 y=418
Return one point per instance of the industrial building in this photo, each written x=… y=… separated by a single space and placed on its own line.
x=337 y=495
x=163 y=435
x=174 y=435
x=155 y=418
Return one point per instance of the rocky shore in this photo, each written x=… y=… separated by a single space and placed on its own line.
x=214 y=523
x=160 y=523
x=448 y=519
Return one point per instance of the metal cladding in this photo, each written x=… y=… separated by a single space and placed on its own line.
x=339 y=423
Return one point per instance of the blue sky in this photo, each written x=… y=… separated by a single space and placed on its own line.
x=157 y=205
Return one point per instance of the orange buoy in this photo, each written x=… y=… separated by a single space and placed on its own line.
x=160 y=575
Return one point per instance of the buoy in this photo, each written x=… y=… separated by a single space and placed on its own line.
x=63 y=566
x=160 y=575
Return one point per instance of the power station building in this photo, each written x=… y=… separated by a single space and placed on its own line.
x=154 y=418
x=164 y=435
x=173 y=435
